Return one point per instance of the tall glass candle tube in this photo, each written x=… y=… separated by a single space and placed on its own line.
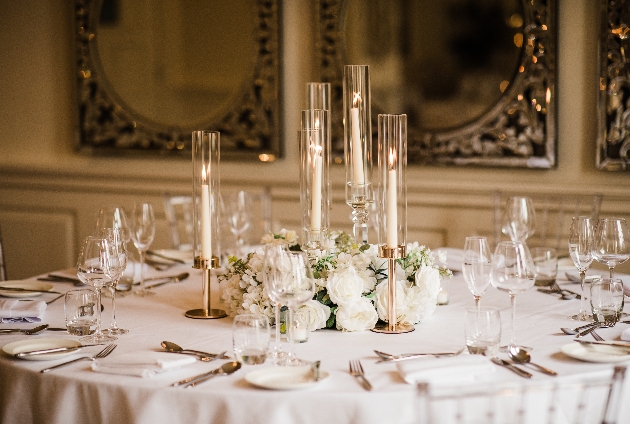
x=206 y=229
x=392 y=207
x=314 y=138
x=358 y=146
x=318 y=96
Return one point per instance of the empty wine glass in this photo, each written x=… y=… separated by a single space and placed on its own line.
x=519 y=218
x=91 y=271
x=142 y=226
x=512 y=271
x=237 y=209
x=612 y=242
x=581 y=239
x=272 y=253
x=289 y=281
x=115 y=263
x=476 y=266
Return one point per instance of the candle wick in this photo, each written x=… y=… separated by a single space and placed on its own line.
x=356 y=100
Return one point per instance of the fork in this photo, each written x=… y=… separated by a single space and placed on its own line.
x=356 y=370
x=103 y=353
x=597 y=336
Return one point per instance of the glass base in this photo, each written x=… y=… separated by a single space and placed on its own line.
x=505 y=349
x=582 y=316
x=115 y=331
x=143 y=292
x=291 y=362
x=97 y=339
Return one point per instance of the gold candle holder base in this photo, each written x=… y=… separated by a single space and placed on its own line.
x=206 y=312
x=392 y=327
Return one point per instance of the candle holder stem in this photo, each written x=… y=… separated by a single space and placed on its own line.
x=360 y=223
x=206 y=311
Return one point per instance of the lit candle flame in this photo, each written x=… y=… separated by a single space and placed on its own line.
x=392 y=159
x=356 y=100
x=204 y=176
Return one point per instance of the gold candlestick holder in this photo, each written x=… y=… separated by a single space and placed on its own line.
x=206 y=312
x=392 y=327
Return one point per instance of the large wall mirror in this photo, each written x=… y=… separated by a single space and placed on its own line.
x=475 y=77
x=152 y=71
x=613 y=135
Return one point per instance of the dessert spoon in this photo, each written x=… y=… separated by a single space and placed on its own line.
x=521 y=356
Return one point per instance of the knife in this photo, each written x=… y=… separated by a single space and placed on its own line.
x=17 y=289
x=159 y=255
x=511 y=367
x=615 y=344
x=45 y=351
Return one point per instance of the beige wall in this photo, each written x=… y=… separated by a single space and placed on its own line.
x=49 y=193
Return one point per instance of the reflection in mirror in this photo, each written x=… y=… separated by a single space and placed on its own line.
x=474 y=77
x=152 y=71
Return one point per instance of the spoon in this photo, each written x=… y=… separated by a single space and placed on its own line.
x=20 y=330
x=225 y=369
x=574 y=331
x=203 y=356
x=388 y=357
x=521 y=356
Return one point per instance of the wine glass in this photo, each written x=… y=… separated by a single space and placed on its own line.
x=115 y=263
x=612 y=242
x=289 y=281
x=476 y=266
x=271 y=254
x=91 y=271
x=142 y=226
x=237 y=209
x=581 y=242
x=519 y=218
x=512 y=271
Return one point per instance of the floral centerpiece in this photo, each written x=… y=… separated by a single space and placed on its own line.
x=351 y=284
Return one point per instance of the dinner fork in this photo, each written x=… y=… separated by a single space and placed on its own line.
x=103 y=353
x=356 y=370
x=597 y=336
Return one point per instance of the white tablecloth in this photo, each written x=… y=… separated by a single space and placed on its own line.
x=76 y=394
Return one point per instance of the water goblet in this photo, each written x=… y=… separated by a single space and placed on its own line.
x=476 y=266
x=607 y=301
x=91 y=271
x=512 y=271
x=483 y=331
x=142 y=226
x=250 y=338
x=115 y=263
x=612 y=242
x=519 y=218
x=581 y=243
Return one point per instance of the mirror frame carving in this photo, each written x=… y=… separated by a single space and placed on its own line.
x=250 y=127
x=498 y=138
x=613 y=142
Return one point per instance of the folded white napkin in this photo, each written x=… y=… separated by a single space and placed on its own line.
x=626 y=283
x=141 y=364
x=13 y=310
x=451 y=370
x=454 y=257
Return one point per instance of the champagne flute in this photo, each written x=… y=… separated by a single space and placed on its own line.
x=519 y=218
x=512 y=271
x=115 y=263
x=476 y=266
x=142 y=228
x=290 y=281
x=91 y=271
x=612 y=242
x=581 y=243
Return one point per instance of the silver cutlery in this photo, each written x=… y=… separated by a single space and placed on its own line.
x=576 y=330
x=225 y=369
x=387 y=357
x=61 y=279
x=597 y=336
x=24 y=331
x=51 y=350
x=204 y=356
x=102 y=354
x=624 y=345
x=315 y=370
x=168 y=278
x=511 y=367
x=21 y=290
x=588 y=330
x=175 y=279
x=168 y=258
x=521 y=356
x=356 y=370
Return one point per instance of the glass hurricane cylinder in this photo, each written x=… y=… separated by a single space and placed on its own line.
x=392 y=203
x=206 y=229
x=314 y=177
x=318 y=95
x=358 y=146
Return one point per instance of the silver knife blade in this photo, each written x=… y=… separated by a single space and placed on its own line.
x=511 y=367
x=19 y=289
x=51 y=350
x=609 y=343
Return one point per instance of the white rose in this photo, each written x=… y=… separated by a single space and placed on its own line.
x=428 y=278
x=319 y=314
x=417 y=305
x=345 y=287
x=357 y=316
x=382 y=300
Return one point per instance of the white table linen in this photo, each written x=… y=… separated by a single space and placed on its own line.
x=76 y=394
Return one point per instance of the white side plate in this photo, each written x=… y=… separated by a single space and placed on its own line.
x=595 y=353
x=37 y=344
x=284 y=378
x=26 y=284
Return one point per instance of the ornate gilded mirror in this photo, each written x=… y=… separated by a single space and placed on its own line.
x=475 y=77
x=149 y=72
x=613 y=135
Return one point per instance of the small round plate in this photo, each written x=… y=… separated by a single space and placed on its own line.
x=26 y=284
x=284 y=378
x=595 y=353
x=39 y=344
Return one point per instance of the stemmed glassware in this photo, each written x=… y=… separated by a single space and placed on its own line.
x=142 y=226
x=289 y=281
x=91 y=271
x=271 y=254
x=612 y=242
x=512 y=271
x=237 y=209
x=519 y=218
x=476 y=266
x=115 y=263
x=581 y=243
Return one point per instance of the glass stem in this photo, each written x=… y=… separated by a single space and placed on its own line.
x=98 y=332
x=277 y=313
x=582 y=279
x=289 y=327
x=478 y=304
x=113 y=325
x=141 y=271
x=513 y=302
x=611 y=268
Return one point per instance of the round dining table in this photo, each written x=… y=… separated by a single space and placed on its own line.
x=77 y=394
